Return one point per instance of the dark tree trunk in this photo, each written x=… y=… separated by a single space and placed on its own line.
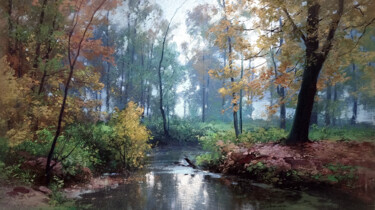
x=234 y=97
x=353 y=120
x=300 y=129
x=250 y=96
x=97 y=108
x=282 y=108
x=37 y=35
x=108 y=84
x=241 y=96
x=108 y=88
x=148 y=99
x=122 y=79
x=167 y=115
x=335 y=106
x=72 y=63
x=10 y=25
x=142 y=100
x=327 y=115
x=166 y=133
x=203 y=93
x=313 y=65
x=125 y=96
x=207 y=89
x=223 y=97
x=314 y=60
x=314 y=116
x=58 y=129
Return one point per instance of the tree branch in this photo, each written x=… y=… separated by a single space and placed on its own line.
x=331 y=34
x=295 y=28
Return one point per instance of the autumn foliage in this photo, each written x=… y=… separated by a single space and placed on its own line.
x=131 y=139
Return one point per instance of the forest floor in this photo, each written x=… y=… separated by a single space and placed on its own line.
x=22 y=197
x=345 y=165
x=14 y=196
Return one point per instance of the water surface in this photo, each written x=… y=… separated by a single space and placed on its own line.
x=164 y=184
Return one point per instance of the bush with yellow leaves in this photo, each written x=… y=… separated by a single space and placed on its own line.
x=131 y=141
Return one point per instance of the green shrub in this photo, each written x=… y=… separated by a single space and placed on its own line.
x=215 y=154
x=57 y=196
x=14 y=174
x=180 y=130
x=4 y=148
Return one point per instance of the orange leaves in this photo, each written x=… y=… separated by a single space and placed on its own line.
x=284 y=78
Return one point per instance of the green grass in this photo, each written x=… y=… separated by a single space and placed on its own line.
x=348 y=133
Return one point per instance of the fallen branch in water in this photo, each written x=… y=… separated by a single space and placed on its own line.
x=191 y=164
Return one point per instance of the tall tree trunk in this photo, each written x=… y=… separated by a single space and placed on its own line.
x=234 y=97
x=72 y=63
x=223 y=97
x=203 y=93
x=300 y=129
x=327 y=115
x=353 y=120
x=314 y=116
x=250 y=94
x=108 y=84
x=313 y=65
x=108 y=88
x=282 y=108
x=167 y=115
x=37 y=35
x=241 y=77
x=122 y=79
x=97 y=108
x=335 y=106
x=142 y=100
x=148 y=99
x=207 y=89
x=166 y=133
x=314 y=61
x=11 y=48
x=10 y=22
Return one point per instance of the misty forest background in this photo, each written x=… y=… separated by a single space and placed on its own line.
x=94 y=83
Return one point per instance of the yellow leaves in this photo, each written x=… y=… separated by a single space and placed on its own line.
x=223 y=91
x=13 y=103
x=17 y=136
x=132 y=136
x=271 y=110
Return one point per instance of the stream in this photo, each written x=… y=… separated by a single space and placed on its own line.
x=165 y=184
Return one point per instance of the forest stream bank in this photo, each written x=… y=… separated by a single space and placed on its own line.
x=344 y=166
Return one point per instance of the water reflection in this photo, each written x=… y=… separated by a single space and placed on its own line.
x=165 y=185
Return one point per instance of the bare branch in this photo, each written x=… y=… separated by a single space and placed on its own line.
x=360 y=37
x=295 y=27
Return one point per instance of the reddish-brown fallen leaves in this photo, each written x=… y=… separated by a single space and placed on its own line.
x=347 y=165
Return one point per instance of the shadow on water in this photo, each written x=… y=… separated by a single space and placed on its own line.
x=163 y=184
